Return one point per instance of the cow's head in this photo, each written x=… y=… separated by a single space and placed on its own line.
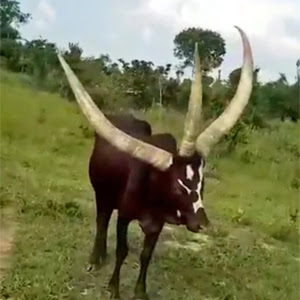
x=187 y=190
x=185 y=167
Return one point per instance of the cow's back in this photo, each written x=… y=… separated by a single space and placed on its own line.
x=109 y=167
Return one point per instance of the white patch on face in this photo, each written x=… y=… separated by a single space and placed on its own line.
x=178 y=213
x=199 y=204
x=189 y=172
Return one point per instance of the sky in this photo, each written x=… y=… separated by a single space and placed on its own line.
x=145 y=29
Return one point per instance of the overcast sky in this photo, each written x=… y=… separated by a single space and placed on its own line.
x=145 y=29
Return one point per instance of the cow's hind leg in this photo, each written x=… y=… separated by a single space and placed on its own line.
x=99 y=252
x=121 y=253
x=149 y=245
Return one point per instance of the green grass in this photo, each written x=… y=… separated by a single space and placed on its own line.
x=251 y=251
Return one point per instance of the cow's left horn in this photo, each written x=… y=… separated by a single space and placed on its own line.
x=150 y=154
x=213 y=133
x=193 y=117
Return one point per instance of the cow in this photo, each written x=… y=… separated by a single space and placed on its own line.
x=147 y=177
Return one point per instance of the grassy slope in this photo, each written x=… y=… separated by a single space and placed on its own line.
x=250 y=253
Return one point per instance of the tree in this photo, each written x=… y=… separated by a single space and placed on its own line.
x=298 y=78
x=162 y=79
x=298 y=70
x=74 y=52
x=10 y=46
x=10 y=19
x=234 y=77
x=179 y=74
x=282 y=98
x=211 y=47
x=40 y=56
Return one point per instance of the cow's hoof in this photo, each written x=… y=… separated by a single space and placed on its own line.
x=140 y=296
x=113 y=291
x=114 y=295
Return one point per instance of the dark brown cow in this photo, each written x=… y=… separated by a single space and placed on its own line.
x=145 y=177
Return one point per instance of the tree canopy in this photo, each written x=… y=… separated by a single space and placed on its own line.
x=140 y=84
x=11 y=17
x=211 y=47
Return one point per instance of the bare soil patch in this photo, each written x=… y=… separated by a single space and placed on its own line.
x=7 y=230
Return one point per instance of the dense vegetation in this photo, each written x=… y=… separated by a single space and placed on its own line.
x=140 y=84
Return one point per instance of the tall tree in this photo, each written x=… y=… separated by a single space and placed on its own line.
x=39 y=56
x=298 y=77
x=74 y=52
x=211 y=47
x=11 y=17
x=162 y=73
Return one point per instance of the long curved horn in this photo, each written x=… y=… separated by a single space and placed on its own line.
x=152 y=155
x=213 y=133
x=193 y=117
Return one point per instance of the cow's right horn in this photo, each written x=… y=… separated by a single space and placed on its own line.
x=213 y=133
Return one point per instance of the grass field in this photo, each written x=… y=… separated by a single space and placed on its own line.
x=250 y=252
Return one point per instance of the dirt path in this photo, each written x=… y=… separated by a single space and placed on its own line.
x=7 y=230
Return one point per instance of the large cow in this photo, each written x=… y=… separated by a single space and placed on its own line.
x=145 y=177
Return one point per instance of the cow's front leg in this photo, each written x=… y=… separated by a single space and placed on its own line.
x=121 y=253
x=99 y=253
x=149 y=245
x=104 y=212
